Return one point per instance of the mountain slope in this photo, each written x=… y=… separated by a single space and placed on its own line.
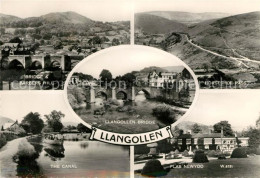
x=65 y=17
x=8 y=18
x=234 y=36
x=154 y=24
x=188 y=17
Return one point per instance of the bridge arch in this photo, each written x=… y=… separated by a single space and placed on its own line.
x=101 y=94
x=55 y=65
x=121 y=95
x=36 y=65
x=146 y=93
x=15 y=64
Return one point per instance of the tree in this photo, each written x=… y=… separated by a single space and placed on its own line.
x=227 y=130
x=196 y=128
x=96 y=40
x=57 y=44
x=16 y=40
x=32 y=123
x=128 y=78
x=254 y=137
x=105 y=75
x=71 y=127
x=54 y=120
x=115 y=42
x=83 y=128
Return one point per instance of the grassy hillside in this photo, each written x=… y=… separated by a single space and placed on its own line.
x=65 y=17
x=157 y=25
x=234 y=36
x=188 y=17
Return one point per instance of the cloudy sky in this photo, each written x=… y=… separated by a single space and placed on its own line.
x=17 y=104
x=124 y=59
x=240 y=108
x=226 y=6
x=101 y=10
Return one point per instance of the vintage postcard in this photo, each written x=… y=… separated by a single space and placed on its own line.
x=129 y=88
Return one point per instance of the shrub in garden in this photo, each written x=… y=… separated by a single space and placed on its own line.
x=258 y=151
x=164 y=113
x=2 y=140
x=185 y=153
x=239 y=152
x=200 y=157
x=153 y=168
x=212 y=153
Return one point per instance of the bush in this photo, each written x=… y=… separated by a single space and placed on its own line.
x=212 y=153
x=153 y=168
x=185 y=153
x=113 y=102
x=258 y=151
x=2 y=140
x=164 y=113
x=239 y=152
x=25 y=149
x=200 y=157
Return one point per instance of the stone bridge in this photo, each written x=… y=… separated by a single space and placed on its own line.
x=39 y=61
x=130 y=93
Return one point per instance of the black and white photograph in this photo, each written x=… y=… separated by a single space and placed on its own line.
x=42 y=41
x=129 y=88
x=219 y=40
x=41 y=139
x=144 y=91
x=222 y=141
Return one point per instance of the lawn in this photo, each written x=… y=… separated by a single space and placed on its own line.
x=242 y=167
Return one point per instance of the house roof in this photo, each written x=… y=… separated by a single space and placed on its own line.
x=210 y=135
x=7 y=125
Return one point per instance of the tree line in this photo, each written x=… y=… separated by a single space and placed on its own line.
x=33 y=123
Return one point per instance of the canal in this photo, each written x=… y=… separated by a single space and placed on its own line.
x=73 y=158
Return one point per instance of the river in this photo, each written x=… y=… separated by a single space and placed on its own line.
x=73 y=158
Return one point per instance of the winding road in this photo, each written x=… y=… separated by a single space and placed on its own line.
x=239 y=60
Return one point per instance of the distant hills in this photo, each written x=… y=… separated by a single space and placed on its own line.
x=162 y=69
x=54 y=18
x=4 y=120
x=155 y=24
x=8 y=18
x=188 y=17
x=187 y=125
x=65 y=17
x=228 y=35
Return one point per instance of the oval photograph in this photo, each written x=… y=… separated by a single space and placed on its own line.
x=131 y=89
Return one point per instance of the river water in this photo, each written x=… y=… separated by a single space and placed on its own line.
x=72 y=159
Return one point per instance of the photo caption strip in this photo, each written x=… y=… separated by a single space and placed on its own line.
x=131 y=139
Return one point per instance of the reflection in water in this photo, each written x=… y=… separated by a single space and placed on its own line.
x=55 y=152
x=73 y=159
x=27 y=165
x=86 y=158
x=140 y=97
x=84 y=145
